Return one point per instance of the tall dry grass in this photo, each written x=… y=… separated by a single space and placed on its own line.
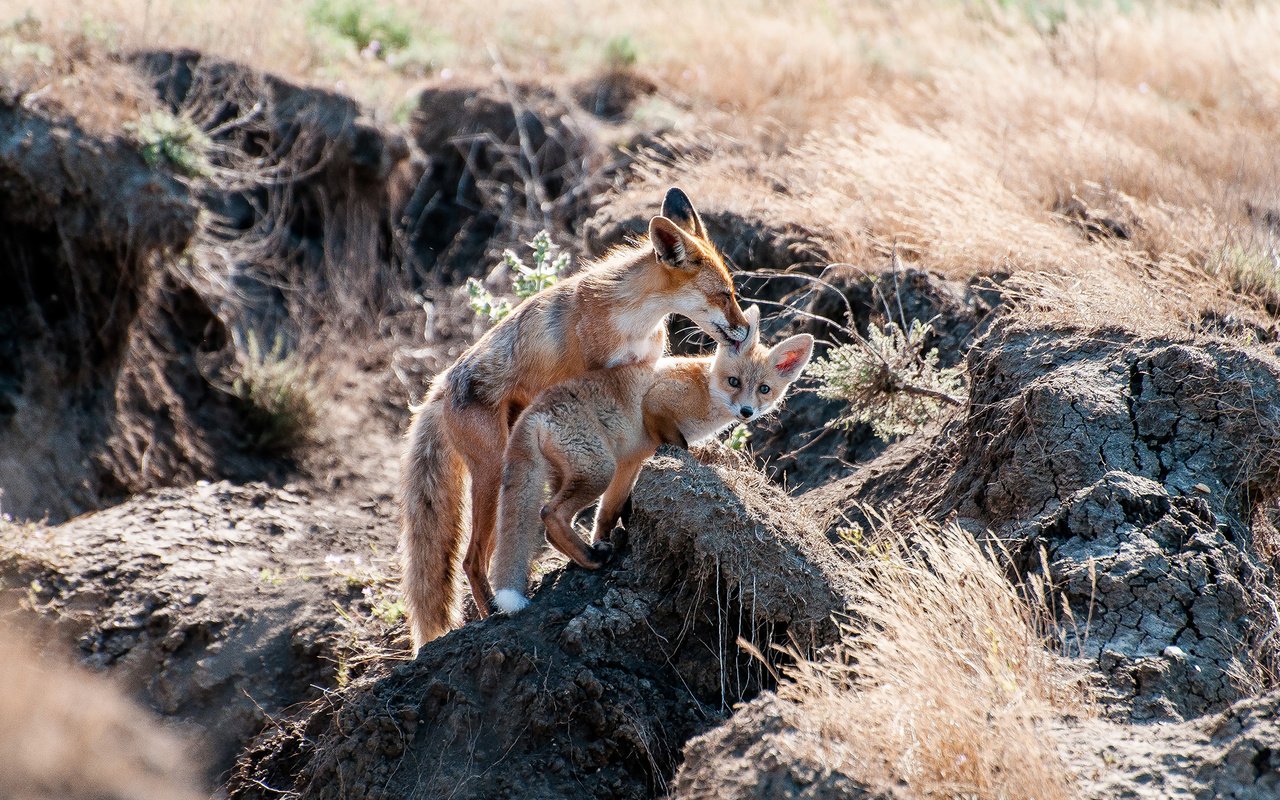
x=752 y=62
x=942 y=686
x=1131 y=151
x=1120 y=145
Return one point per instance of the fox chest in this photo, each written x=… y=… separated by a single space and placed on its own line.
x=643 y=349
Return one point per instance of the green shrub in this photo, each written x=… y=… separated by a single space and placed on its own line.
x=362 y=23
x=173 y=141
x=887 y=379
x=620 y=53
x=526 y=281
x=738 y=439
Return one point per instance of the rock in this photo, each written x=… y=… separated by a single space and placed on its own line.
x=101 y=387
x=1173 y=600
x=765 y=752
x=1230 y=755
x=1097 y=449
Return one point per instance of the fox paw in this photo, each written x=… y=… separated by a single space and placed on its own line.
x=601 y=552
x=509 y=601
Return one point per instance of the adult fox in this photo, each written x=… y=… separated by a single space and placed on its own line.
x=610 y=314
x=589 y=436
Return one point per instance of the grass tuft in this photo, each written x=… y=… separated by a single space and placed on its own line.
x=281 y=397
x=942 y=682
x=176 y=142
x=1253 y=271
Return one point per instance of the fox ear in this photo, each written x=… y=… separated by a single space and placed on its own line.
x=752 y=313
x=677 y=208
x=790 y=356
x=670 y=244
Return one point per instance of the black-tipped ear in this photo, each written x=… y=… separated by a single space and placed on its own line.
x=670 y=244
x=677 y=208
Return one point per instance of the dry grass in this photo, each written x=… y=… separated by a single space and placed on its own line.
x=747 y=61
x=65 y=74
x=1122 y=150
x=1124 y=143
x=942 y=684
x=283 y=394
x=66 y=734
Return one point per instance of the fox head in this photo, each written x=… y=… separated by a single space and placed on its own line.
x=694 y=273
x=749 y=378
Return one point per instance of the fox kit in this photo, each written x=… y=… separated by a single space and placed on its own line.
x=589 y=436
x=612 y=313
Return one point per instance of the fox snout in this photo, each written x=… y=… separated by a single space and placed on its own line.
x=737 y=328
x=746 y=412
x=735 y=334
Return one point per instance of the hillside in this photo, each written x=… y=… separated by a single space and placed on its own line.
x=1030 y=551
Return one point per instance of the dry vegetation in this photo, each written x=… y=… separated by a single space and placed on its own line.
x=1126 y=145
x=67 y=734
x=943 y=683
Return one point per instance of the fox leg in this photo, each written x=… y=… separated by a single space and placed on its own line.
x=480 y=434
x=578 y=492
x=615 y=497
x=519 y=535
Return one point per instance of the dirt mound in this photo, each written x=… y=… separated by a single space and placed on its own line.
x=1231 y=755
x=213 y=604
x=68 y=735
x=1143 y=470
x=593 y=690
x=766 y=751
x=1142 y=462
x=303 y=188
x=504 y=156
x=100 y=387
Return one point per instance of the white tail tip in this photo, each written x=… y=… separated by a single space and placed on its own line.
x=509 y=601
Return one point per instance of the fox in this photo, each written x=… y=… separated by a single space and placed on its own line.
x=611 y=314
x=589 y=436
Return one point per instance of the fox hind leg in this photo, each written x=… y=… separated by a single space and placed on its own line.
x=480 y=434
x=577 y=493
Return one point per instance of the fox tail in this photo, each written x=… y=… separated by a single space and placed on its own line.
x=432 y=495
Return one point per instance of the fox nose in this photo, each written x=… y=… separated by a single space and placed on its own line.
x=746 y=412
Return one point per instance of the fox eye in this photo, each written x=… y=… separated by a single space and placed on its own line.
x=734 y=382
x=764 y=388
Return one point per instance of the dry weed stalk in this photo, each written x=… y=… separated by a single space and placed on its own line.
x=942 y=683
